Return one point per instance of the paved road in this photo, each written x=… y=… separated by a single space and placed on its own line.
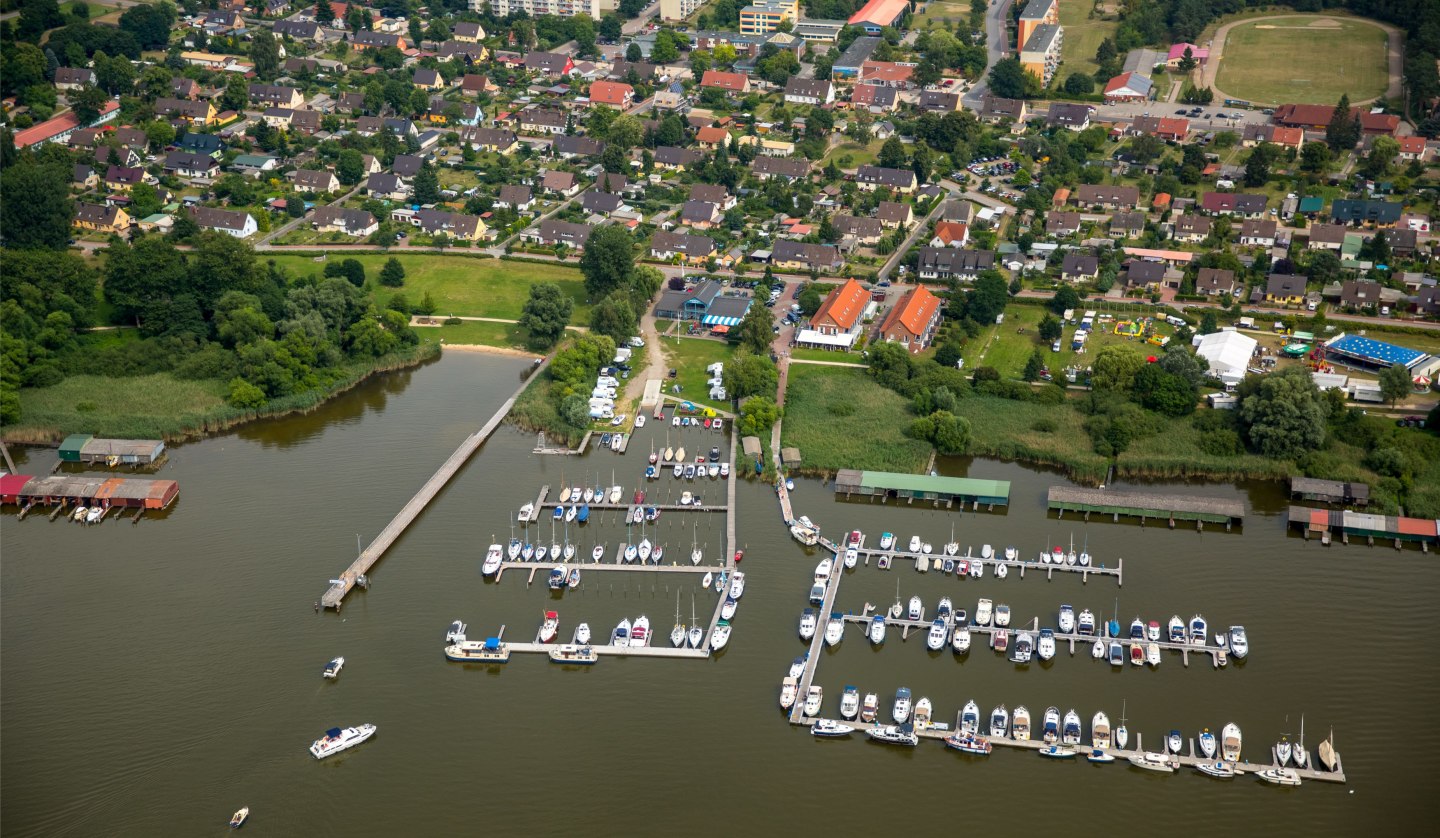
x=997 y=45
x=640 y=21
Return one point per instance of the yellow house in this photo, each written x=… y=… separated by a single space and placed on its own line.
x=101 y=219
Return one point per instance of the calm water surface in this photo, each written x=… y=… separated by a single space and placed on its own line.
x=157 y=677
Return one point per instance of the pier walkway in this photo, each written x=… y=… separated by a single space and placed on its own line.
x=605 y=651
x=339 y=587
x=812 y=657
x=886 y=558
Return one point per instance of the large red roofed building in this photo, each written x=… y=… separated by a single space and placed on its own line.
x=61 y=127
x=878 y=14
x=912 y=321
x=730 y=82
x=612 y=93
x=842 y=310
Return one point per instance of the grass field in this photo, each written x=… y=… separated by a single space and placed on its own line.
x=1303 y=58
x=1007 y=350
x=1083 y=35
x=478 y=333
x=941 y=14
x=462 y=285
x=690 y=357
x=124 y=407
x=859 y=154
x=840 y=418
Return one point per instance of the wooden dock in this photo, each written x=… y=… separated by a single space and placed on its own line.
x=630 y=507
x=606 y=651
x=589 y=565
x=812 y=657
x=339 y=587
x=1146 y=506
x=1018 y=565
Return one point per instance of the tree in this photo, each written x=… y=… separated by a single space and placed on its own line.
x=609 y=260
x=351 y=270
x=35 y=205
x=626 y=132
x=1079 y=84
x=149 y=24
x=1343 y=132
x=1034 y=365
x=1315 y=158
x=810 y=299
x=1008 y=79
x=237 y=90
x=1382 y=151
x=546 y=314
x=1187 y=62
x=350 y=168
x=750 y=375
x=665 y=50
x=614 y=317
x=1164 y=393
x=1050 y=328
x=1115 y=368
x=86 y=104
x=1209 y=323
x=758 y=415
x=1395 y=382
x=1257 y=167
x=575 y=411
x=1065 y=298
x=1179 y=361
x=755 y=330
x=324 y=12
x=427 y=185
x=633 y=53
x=265 y=52
x=892 y=154
x=987 y=297
x=392 y=275
x=1284 y=415
x=951 y=434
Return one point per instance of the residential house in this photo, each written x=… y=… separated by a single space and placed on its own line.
x=1080 y=267
x=1314 y=117
x=550 y=64
x=946 y=263
x=1142 y=274
x=874 y=98
x=1062 y=224
x=619 y=184
x=799 y=256
x=407 y=165
x=689 y=249
x=712 y=193
x=950 y=234
x=1360 y=294
x=351 y=222
x=312 y=180
x=1170 y=128
x=255 y=165
x=470 y=33
x=552 y=232
x=862 y=229
x=568 y=147
x=912 y=321
x=935 y=101
x=185 y=164
x=453 y=224
x=498 y=140
x=427 y=79
x=472 y=84
x=464 y=51
x=1412 y=148
x=388 y=186
x=600 y=203
x=209 y=145
x=1326 y=237
x=1402 y=241
x=615 y=94
x=800 y=91
x=999 y=110
x=1127 y=225
x=1257 y=233
x=299 y=30
x=644 y=71
x=543 y=121
x=711 y=137
x=518 y=198
x=275 y=96
x=1255 y=134
x=366 y=39
x=788 y=168
x=732 y=83
x=73 y=78
x=83 y=178
x=369 y=126
x=1192 y=228
x=702 y=215
x=843 y=311
x=1375 y=124
x=1366 y=212
x=230 y=222
x=185 y=88
x=675 y=159
x=870 y=178
x=1128 y=87
x=1241 y=204
x=122 y=178
x=1109 y=197
x=101 y=219
x=195 y=112
x=1286 y=289
x=1069 y=115
x=894 y=215
x=1213 y=282
x=564 y=184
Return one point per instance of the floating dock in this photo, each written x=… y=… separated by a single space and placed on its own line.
x=1018 y=565
x=1146 y=506
x=607 y=651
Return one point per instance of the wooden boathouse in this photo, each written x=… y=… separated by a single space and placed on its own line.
x=85 y=448
x=91 y=491
x=1330 y=491
x=1146 y=505
x=1348 y=525
x=912 y=487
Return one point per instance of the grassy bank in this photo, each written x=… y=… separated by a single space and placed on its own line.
x=161 y=406
x=689 y=357
x=466 y=286
x=839 y=418
x=535 y=410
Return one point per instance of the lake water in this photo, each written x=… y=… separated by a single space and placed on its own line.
x=157 y=677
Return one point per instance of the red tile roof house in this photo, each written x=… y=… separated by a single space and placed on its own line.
x=842 y=311
x=614 y=94
x=912 y=321
x=729 y=82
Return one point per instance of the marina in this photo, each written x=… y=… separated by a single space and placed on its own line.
x=886 y=560
x=1146 y=506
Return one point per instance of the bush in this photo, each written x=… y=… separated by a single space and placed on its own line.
x=214 y=361
x=1221 y=442
x=243 y=394
x=1044 y=425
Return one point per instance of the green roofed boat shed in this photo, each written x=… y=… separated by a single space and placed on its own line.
x=70 y=448
x=911 y=487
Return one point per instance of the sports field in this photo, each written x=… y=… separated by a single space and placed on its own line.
x=1304 y=58
x=1083 y=35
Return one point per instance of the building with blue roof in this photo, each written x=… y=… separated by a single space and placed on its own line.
x=1374 y=355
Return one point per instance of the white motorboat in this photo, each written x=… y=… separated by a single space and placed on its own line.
x=999 y=722
x=1152 y=631
x=1045 y=646
x=935 y=639
x=834 y=629
x=1100 y=730
x=852 y=557
x=922 y=564
x=1098 y=650
x=237 y=820
x=1279 y=776
x=1152 y=654
x=337 y=739
x=916 y=610
x=977 y=570
x=525 y=512
x=1002 y=570
x=983 y=612
x=788 y=690
x=737 y=585
x=94 y=514
x=640 y=631
x=923 y=709
x=900 y=711
x=1151 y=761
x=1024 y=648
x=960 y=640
x=1086 y=623
x=822 y=570
x=720 y=636
x=1206 y=740
x=808 y=623
x=493 y=558
x=1058 y=752
x=887 y=540
x=455 y=633
x=1174 y=742
x=1070 y=730
x=813 y=697
x=877 y=629
x=332 y=669
x=914 y=543
x=728 y=607
x=639 y=420
x=849 y=703
x=79 y=514
x=870 y=708
x=830 y=729
x=1099 y=756
x=1282 y=752
x=1002 y=615
x=970 y=718
x=1198 y=631
x=894 y=735
x=1020 y=724
x=549 y=626
x=1239 y=643
x=1230 y=742
x=582 y=635
x=621 y=635
x=926 y=548
x=1176 y=629
x=1050 y=727
x=678 y=471
x=945 y=610
x=1221 y=770
x=489 y=650
x=1067 y=619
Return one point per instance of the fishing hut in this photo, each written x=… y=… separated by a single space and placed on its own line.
x=1146 y=505
x=1330 y=491
x=1348 y=524
x=84 y=448
x=940 y=490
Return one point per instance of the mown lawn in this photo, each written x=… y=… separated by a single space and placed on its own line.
x=1273 y=61
x=859 y=154
x=840 y=418
x=1083 y=35
x=690 y=357
x=1007 y=350
x=461 y=285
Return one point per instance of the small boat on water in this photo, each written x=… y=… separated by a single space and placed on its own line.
x=1298 y=753
x=1175 y=741
x=549 y=627
x=1221 y=770
x=1282 y=752
x=916 y=611
x=999 y=721
x=621 y=635
x=849 y=702
x=598 y=553
x=527 y=552
x=1050 y=729
x=1137 y=654
x=914 y=543
x=1086 y=623
x=1206 y=739
x=557 y=577
x=1002 y=615
x=336 y=740
x=967 y=743
x=589 y=493
x=541 y=552
x=680 y=455
x=1100 y=730
x=1058 y=752
x=1099 y=756
x=644 y=550
x=1151 y=761
x=94 y=514
x=640 y=631
x=1000 y=641
x=727 y=608
x=737 y=584
x=1117 y=653
x=960 y=640
x=852 y=557
x=1098 y=650
x=513 y=549
x=79 y=514
x=1176 y=629
x=894 y=735
x=1020 y=724
x=493 y=558
x=830 y=729
x=809 y=620
x=489 y=650
x=582 y=635
x=1239 y=643
x=678 y=471
x=788 y=690
x=1070 y=730
x=558 y=513
x=1152 y=630
x=576 y=655
x=813 y=698
x=525 y=512
x=237 y=820
x=887 y=540
x=923 y=709
x=1230 y=742
x=657 y=554
x=630 y=553
x=877 y=629
x=720 y=636
x=822 y=570
x=333 y=668
x=900 y=711
x=1152 y=654
x=1198 y=633
x=834 y=629
x=869 y=708
x=983 y=612
x=1067 y=619
x=935 y=638
x=571 y=511
x=1279 y=776
x=1024 y=648
x=1045 y=648
x=455 y=633
x=615 y=492
x=970 y=718
x=668 y=455
x=1137 y=629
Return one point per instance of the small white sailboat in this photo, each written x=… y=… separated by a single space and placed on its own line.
x=1122 y=733
x=645 y=549
x=598 y=553
x=708 y=578
x=696 y=635
x=677 y=634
